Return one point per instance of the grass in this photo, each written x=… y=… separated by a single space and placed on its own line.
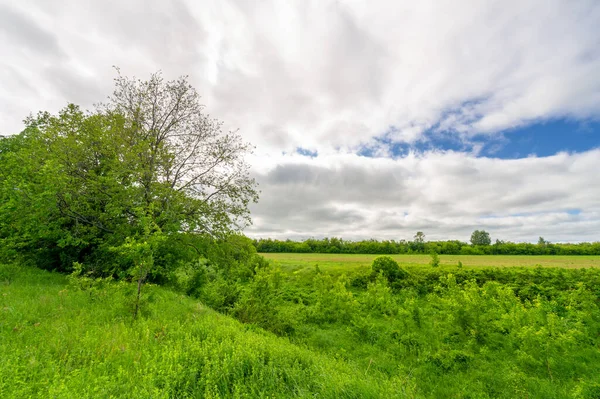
x=57 y=341
x=443 y=332
x=347 y=263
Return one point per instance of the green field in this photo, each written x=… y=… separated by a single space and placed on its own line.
x=423 y=332
x=342 y=263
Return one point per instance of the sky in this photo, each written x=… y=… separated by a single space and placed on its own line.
x=371 y=119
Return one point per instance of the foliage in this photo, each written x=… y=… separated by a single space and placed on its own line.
x=451 y=247
x=75 y=186
x=418 y=243
x=435 y=259
x=458 y=332
x=215 y=273
x=419 y=237
x=379 y=297
x=480 y=237
x=388 y=267
x=437 y=332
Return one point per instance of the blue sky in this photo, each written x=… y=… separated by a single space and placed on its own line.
x=539 y=138
x=546 y=138
x=369 y=118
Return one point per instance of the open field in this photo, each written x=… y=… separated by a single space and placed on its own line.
x=341 y=263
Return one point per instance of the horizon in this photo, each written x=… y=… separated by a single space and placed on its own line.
x=426 y=240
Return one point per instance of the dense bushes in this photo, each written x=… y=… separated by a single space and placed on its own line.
x=410 y=330
x=337 y=245
x=216 y=270
x=490 y=332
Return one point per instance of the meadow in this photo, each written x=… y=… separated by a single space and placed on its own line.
x=347 y=263
x=325 y=331
x=61 y=339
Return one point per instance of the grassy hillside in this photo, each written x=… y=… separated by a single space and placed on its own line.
x=59 y=341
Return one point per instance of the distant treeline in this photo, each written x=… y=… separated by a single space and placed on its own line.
x=453 y=247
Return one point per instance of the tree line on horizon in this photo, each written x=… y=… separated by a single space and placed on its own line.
x=480 y=245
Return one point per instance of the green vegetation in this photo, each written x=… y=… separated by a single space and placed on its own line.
x=347 y=263
x=449 y=331
x=435 y=260
x=480 y=237
x=481 y=246
x=114 y=188
x=388 y=331
x=388 y=268
x=60 y=340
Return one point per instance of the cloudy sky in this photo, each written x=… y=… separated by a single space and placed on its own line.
x=370 y=118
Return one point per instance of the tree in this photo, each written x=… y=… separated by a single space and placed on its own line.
x=184 y=156
x=419 y=237
x=480 y=237
x=418 y=244
x=138 y=172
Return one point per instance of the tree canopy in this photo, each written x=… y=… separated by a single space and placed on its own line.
x=147 y=163
x=480 y=237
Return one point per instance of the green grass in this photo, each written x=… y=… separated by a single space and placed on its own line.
x=346 y=263
x=57 y=341
x=445 y=332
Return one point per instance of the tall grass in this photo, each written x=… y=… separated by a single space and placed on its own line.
x=59 y=341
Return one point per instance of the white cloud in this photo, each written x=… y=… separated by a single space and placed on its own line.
x=316 y=74
x=444 y=194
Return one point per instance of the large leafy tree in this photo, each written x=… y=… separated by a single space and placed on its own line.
x=480 y=237
x=418 y=243
x=144 y=168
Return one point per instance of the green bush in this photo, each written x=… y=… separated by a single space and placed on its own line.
x=379 y=297
x=435 y=259
x=261 y=303
x=360 y=280
x=389 y=268
x=436 y=332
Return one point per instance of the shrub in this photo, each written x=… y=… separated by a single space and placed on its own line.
x=379 y=297
x=389 y=268
x=360 y=280
x=435 y=259
x=332 y=300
